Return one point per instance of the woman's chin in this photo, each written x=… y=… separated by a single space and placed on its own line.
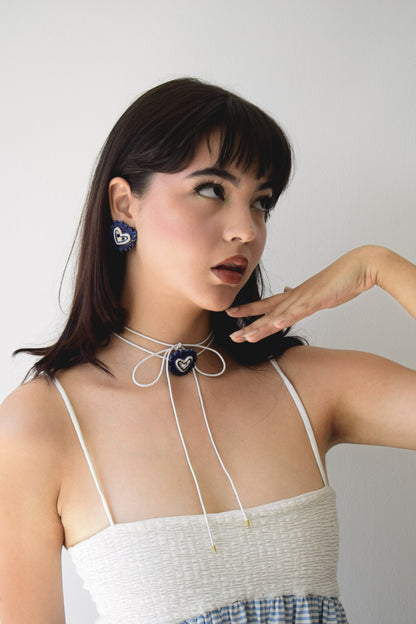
x=219 y=302
x=220 y=306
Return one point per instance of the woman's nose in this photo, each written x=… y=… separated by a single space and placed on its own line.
x=239 y=225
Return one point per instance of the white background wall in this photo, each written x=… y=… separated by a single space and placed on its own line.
x=340 y=76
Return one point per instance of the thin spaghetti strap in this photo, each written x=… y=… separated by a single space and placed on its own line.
x=84 y=448
x=297 y=400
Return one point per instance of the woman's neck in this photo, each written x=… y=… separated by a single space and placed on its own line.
x=170 y=324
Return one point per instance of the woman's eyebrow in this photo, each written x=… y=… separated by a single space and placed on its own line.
x=226 y=175
x=217 y=171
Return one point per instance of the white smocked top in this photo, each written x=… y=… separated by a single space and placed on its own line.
x=163 y=570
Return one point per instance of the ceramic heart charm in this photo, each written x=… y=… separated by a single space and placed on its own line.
x=181 y=361
x=120 y=238
x=124 y=237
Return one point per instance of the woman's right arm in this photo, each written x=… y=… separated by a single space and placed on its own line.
x=31 y=534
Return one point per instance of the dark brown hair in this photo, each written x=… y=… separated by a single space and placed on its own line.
x=160 y=132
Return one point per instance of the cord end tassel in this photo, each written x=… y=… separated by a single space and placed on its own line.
x=248 y=523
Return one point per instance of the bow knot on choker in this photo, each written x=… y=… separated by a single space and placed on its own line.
x=180 y=359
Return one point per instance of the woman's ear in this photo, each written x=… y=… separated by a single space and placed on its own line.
x=121 y=198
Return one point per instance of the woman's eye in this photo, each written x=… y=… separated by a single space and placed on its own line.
x=211 y=190
x=265 y=204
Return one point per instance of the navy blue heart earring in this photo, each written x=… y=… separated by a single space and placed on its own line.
x=123 y=236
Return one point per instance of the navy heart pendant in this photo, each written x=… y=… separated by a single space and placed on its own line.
x=181 y=361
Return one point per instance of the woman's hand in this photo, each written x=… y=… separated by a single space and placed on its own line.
x=358 y=270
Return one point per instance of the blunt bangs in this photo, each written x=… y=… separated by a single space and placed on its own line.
x=255 y=143
x=168 y=123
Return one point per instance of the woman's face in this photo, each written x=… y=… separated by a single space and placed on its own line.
x=201 y=231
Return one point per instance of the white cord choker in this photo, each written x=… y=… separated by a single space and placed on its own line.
x=180 y=359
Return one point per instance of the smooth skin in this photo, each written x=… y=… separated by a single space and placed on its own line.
x=47 y=496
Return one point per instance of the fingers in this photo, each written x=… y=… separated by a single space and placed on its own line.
x=274 y=311
x=338 y=283
x=259 y=329
x=256 y=308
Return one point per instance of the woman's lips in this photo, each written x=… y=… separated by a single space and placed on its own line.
x=228 y=276
x=231 y=270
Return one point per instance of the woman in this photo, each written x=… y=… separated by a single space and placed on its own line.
x=173 y=438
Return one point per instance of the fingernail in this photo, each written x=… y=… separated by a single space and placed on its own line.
x=236 y=334
x=281 y=322
x=233 y=309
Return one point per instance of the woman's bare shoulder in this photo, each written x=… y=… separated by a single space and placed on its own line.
x=306 y=361
x=323 y=366
x=30 y=414
x=315 y=373
x=324 y=379
x=321 y=372
x=308 y=367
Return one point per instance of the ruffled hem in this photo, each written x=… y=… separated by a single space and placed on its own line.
x=282 y=610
